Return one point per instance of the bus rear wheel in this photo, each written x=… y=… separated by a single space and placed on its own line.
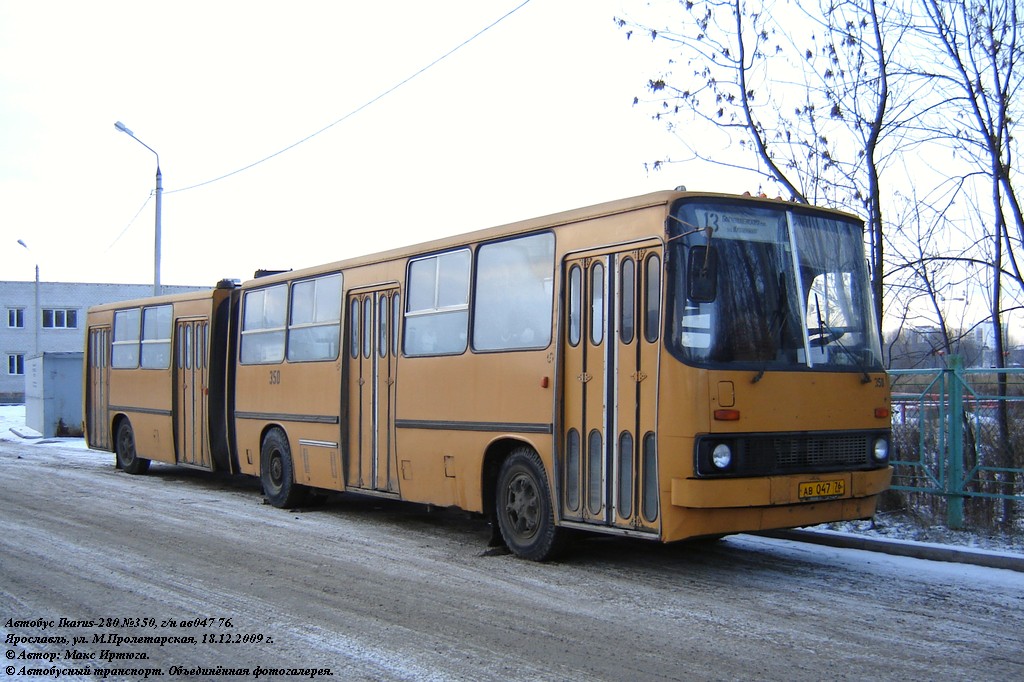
x=124 y=447
x=277 y=472
x=525 y=516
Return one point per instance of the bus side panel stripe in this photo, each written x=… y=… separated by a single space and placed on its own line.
x=277 y=416
x=445 y=425
x=140 y=410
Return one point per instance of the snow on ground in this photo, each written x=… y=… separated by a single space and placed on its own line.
x=891 y=525
x=901 y=526
x=13 y=428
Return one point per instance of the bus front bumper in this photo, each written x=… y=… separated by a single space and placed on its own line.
x=770 y=491
x=703 y=507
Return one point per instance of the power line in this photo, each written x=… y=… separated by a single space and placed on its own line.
x=362 y=106
x=130 y=222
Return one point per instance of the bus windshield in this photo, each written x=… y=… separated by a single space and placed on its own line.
x=769 y=287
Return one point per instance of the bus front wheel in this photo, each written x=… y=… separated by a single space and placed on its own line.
x=124 y=447
x=524 y=511
x=277 y=472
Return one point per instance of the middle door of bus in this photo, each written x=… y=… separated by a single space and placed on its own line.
x=192 y=405
x=372 y=375
x=608 y=450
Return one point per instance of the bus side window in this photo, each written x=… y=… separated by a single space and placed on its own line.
x=263 y=325
x=156 y=337
x=127 y=331
x=315 y=326
x=514 y=291
x=437 y=313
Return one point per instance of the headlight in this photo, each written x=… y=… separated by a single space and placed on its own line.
x=881 y=451
x=721 y=456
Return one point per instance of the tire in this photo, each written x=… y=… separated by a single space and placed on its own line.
x=277 y=472
x=523 y=508
x=124 y=446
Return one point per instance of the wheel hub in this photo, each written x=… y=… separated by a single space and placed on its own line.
x=276 y=470
x=521 y=506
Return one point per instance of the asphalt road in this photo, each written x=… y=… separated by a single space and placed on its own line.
x=198 y=576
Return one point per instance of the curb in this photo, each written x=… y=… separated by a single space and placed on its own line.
x=916 y=550
x=25 y=432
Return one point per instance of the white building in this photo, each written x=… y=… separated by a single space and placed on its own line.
x=49 y=317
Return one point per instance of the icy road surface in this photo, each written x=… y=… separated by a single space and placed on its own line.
x=377 y=590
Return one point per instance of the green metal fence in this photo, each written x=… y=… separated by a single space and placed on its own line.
x=958 y=436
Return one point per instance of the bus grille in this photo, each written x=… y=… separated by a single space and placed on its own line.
x=811 y=452
x=789 y=453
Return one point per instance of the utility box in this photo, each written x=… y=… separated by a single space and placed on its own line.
x=53 y=394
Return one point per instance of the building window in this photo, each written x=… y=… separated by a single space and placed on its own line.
x=60 y=318
x=16 y=364
x=16 y=317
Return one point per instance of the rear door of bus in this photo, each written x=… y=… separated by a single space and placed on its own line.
x=98 y=382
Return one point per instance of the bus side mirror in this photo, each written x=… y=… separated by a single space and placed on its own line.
x=702 y=274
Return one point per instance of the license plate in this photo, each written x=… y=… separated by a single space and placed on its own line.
x=822 y=490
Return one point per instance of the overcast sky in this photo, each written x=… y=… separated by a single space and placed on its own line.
x=533 y=116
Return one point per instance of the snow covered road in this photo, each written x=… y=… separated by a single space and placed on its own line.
x=377 y=590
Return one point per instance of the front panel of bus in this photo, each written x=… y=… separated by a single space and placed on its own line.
x=774 y=408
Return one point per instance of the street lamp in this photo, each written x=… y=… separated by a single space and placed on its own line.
x=159 y=194
x=36 y=315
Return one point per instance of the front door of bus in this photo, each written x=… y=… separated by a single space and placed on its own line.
x=612 y=328
x=191 y=366
x=99 y=379
x=372 y=372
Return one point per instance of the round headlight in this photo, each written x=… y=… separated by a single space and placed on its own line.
x=721 y=456
x=881 y=451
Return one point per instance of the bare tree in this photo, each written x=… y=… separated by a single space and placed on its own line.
x=983 y=42
x=828 y=106
x=984 y=66
x=856 y=103
x=810 y=105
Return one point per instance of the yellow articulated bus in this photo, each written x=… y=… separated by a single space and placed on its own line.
x=668 y=366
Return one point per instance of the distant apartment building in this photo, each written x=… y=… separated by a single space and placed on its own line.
x=49 y=317
x=927 y=347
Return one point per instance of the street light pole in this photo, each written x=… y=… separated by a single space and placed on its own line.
x=159 y=195
x=37 y=314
